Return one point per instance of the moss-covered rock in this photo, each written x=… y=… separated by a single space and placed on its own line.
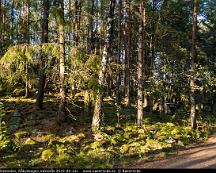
x=45 y=137
x=70 y=138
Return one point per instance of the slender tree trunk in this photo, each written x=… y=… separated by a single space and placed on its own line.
x=90 y=41
x=193 y=58
x=12 y=22
x=111 y=52
x=44 y=39
x=152 y=52
x=27 y=40
x=127 y=69
x=118 y=92
x=78 y=12
x=1 y=27
x=119 y=69
x=102 y=73
x=140 y=61
x=60 y=23
x=102 y=28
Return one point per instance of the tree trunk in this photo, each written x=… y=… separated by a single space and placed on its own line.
x=27 y=40
x=44 y=39
x=110 y=51
x=140 y=61
x=128 y=57
x=118 y=92
x=90 y=41
x=102 y=73
x=60 y=24
x=102 y=28
x=77 y=23
x=12 y=22
x=1 y=27
x=152 y=52
x=193 y=58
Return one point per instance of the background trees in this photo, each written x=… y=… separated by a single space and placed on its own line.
x=145 y=61
x=105 y=80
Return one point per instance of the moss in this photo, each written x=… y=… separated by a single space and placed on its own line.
x=63 y=158
x=18 y=92
x=45 y=138
x=21 y=134
x=35 y=163
x=30 y=141
x=81 y=135
x=124 y=148
x=70 y=138
x=47 y=154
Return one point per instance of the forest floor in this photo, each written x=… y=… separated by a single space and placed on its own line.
x=197 y=156
x=41 y=142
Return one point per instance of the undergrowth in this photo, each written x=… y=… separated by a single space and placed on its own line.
x=113 y=146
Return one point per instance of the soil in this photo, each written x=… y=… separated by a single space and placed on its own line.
x=194 y=157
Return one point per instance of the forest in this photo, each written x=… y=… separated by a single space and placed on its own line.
x=104 y=83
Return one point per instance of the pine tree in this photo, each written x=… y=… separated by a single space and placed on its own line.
x=44 y=39
x=193 y=58
x=103 y=71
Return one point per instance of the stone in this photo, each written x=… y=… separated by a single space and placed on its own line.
x=16 y=113
x=15 y=120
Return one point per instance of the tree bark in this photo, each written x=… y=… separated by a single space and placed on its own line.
x=193 y=58
x=77 y=23
x=110 y=51
x=102 y=73
x=128 y=57
x=12 y=22
x=44 y=39
x=102 y=28
x=27 y=40
x=140 y=61
x=152 y=52
x=118 y=92
x=1 y=27
x=90 y=41
x=60 y=23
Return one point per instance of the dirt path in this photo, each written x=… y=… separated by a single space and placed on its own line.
x=199 y=156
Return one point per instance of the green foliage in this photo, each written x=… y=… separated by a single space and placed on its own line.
x=83 y=69
x=13 y=63
x=5 y=140
x=47 y=154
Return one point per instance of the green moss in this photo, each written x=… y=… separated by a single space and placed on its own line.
x=30 y=141
x=47 y=154
x=21 y=134
x=63 y=158
x=124 y=148
x=18 y=92
x=81 y=135
x=70 y=138
x=45 y=138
